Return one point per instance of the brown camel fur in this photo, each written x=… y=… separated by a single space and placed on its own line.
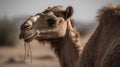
x=55 y=26
x=103 y=48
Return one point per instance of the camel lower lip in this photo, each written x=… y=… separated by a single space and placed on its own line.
x=39 y=34
x=31 y=37
x=47 y=31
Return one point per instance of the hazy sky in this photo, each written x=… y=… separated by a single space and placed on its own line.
x=83 y=9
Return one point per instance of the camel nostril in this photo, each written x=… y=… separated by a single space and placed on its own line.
x=27 y=24
x=51 y=22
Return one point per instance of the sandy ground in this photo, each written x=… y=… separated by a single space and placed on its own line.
x=42 y=56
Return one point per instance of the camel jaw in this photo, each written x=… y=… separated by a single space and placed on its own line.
x=28 y=37
x=48 y=34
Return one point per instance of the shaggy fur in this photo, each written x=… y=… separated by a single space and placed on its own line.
x=62 y=36
x=66 y=48
x=103 y=48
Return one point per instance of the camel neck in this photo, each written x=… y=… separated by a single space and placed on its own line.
x=67 y=51
x=68 y=47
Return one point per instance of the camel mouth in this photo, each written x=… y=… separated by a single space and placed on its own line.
x=28 y=38
x=47 y=34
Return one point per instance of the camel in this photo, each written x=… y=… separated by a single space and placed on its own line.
x=54 y=25
x=103 y=47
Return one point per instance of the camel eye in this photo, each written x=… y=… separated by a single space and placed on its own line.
x=51 y=22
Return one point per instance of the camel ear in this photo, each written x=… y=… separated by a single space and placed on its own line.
x=68 y=12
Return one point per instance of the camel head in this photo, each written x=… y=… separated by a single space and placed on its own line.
x=49 y=24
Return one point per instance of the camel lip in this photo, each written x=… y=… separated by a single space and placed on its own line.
x=46 y=34
x=29 y=38
x=42 y=36
x=47 y=31
x=38 y=34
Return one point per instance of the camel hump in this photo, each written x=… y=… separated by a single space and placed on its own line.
x=109 y=14
x=110 y=9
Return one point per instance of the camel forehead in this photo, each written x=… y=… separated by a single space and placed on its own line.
x=55 y=8
x=53 y=12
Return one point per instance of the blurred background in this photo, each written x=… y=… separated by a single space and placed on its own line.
x=14 y=12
